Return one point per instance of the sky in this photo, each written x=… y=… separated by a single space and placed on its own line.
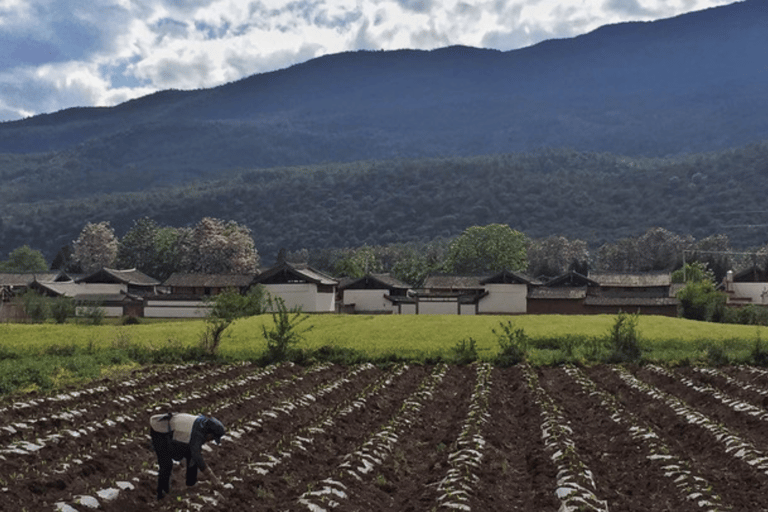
x=56 y=54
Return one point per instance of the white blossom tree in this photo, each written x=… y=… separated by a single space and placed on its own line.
x=214 y=246
x=96 y=247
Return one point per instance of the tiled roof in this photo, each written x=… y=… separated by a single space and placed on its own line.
x=558 y=292
x=383 y=281
x=209 y=280
x=300 y=271
x=632 y=279
x=453 y=282
x=128 y=276
x=631 y=301
x=18 y=279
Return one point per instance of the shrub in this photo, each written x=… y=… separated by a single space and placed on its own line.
x=624 y=339
x=61 y=309
x=700 y=301
x=285 y=333
x=464 y=352
x=513 y=345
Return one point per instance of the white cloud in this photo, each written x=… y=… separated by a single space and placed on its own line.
x=70 y=53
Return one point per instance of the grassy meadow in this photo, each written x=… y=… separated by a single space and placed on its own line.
x=49 y=356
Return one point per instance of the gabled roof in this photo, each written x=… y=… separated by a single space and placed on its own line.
x=452 y=282
x=294 y=273
x=25 y=279
x=631 y=279
x=753 y=274
x=570 y=279
x=376 y=282
x=630 y=301
x=129 y=276
x=71 y=289
x=209 y=280
x=509 y=277
x=558 y=292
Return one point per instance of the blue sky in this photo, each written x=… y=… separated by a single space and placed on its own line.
x=56 y=54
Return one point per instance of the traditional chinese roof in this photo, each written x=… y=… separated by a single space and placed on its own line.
x=630 y=301
x=25 y=279
x=509 y=277
x=294 y=273
x=571 y=279
x=375 y=282
x=180 y=279
x=131 y=277
x=558 y=292
x=631 y=279
x=753 y=274
x=452 y=282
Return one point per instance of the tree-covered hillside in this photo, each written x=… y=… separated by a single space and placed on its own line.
x=591 y=196
x=694 y=83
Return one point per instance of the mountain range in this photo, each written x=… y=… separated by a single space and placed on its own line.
x=666 y=89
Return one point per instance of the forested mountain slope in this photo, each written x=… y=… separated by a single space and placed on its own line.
x=693 y=83
x=593 y=196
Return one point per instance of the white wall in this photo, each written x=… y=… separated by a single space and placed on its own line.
x=504 y=298
x=303 y=295
x=758 y=292
x=175 y=309
x=368 y=301
x=468 y=309
x=407 y=309
x=111 y=311
x=438 y=308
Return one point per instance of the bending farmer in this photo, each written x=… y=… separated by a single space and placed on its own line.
x=177 y=436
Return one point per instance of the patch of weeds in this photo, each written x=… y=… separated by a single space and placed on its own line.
x=717 y=354
x=464 y=352
x=759 y=354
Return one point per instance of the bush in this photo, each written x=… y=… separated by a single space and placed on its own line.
x=61 y=309
x=513 y=345
x=464 y=352
x=35 y=305
x=700 y=301
x=285 y=333
x=623 y=339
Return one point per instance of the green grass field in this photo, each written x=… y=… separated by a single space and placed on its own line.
x=55 y=355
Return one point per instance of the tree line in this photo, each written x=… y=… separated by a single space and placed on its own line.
x=218 y=246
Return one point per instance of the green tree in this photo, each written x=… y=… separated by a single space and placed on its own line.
x=357 y=263
x=24 y=259
x=490 y=248
x=227 y=307
x=693 y=272
x=150 y=248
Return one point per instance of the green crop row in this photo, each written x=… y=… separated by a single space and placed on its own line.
x=48 y=356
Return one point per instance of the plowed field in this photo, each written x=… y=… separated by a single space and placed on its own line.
x=403 y=438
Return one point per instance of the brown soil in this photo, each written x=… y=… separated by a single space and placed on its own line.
x=515 y=472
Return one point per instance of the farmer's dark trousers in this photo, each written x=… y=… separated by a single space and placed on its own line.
x=167 y=451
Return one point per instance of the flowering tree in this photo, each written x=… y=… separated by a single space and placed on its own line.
x=556 y=255
x=214 y=246
x=96 y=247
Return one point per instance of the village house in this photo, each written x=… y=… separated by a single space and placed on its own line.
x=300 y=286
x=647 y=293
x=503 y=293
x=375 y=294
x=184 y=295
x=749 y=286
x=563 y=295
